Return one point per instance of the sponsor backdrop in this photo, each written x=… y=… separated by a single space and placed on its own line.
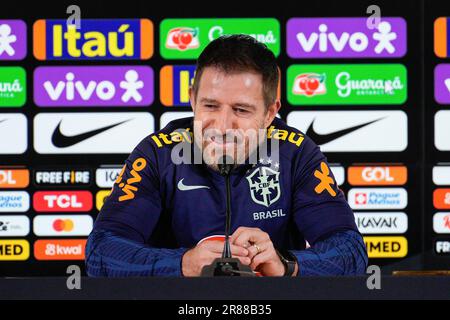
x=374 y=94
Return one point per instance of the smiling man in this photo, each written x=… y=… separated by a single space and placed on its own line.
x=167 y=218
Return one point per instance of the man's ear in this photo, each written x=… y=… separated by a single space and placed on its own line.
x=192 y=98
x=272 y=112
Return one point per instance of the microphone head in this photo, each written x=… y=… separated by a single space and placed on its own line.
x=226 y=165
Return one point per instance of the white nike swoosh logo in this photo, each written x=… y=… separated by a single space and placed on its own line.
x=183 y=187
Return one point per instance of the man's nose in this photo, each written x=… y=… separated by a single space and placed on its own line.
x=225 y=120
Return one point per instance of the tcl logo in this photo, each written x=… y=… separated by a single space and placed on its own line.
x=394 y=175
x=52 y=201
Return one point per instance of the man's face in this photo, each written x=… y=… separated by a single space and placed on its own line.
x=230 y=108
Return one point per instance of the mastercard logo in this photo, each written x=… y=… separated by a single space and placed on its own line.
x=63 y=225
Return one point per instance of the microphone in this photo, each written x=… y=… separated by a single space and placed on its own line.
x=225 y=169
x=227 y=265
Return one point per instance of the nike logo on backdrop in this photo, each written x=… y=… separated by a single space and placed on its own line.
x=321 y=139
x=183 y=187
x=61 y=140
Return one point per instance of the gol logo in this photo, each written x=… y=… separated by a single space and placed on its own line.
x=128 y=187
x=14 y=178
x=365 y=176
x=386 y=247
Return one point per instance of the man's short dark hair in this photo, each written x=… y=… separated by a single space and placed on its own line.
x=241 y=53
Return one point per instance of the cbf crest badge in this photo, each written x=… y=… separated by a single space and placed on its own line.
x=264 y=185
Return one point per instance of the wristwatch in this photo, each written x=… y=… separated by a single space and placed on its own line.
x=289 y=261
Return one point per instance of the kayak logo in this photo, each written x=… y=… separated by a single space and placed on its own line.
x=386 y=247
x=441 y=199
x=14 y=178
x=353 y=131
x=183 y=38
x=441 y=222
x=14 y=226
x=14 y=201
x=92 y=133
x=13 y=87
x=377 y=198
x=175 y=82
x=382 y=222
x=15 y=127
x=65 y=201
x=62 y=225
x=14 y=250
x=99 y=39
x=309 y=84
x=345 y=38
x=93 y=86
x=13 y=40
x=60 y=249
x=374 y=175
x=64 y=178
x=105 y=177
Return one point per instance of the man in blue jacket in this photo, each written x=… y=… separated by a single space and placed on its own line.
x=289 y=218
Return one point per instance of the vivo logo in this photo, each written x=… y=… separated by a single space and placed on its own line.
x=345 y=38
x=93 y=86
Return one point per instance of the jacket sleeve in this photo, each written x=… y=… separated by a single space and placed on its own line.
x=118 y=245
x=324 y=217
x=342 y=253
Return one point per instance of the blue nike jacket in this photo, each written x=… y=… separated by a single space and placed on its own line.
x=157 y=210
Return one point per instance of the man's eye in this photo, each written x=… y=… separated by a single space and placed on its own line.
x=240 y=110
x=210 y=106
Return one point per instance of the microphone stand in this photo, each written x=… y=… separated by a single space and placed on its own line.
x=227 y=265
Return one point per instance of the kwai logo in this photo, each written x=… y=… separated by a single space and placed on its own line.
x=99 y=39
x=345 y=38
x=186 y=38
x=93 y=86
x=13 y=40
x=347 y=84
x=12 y=87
